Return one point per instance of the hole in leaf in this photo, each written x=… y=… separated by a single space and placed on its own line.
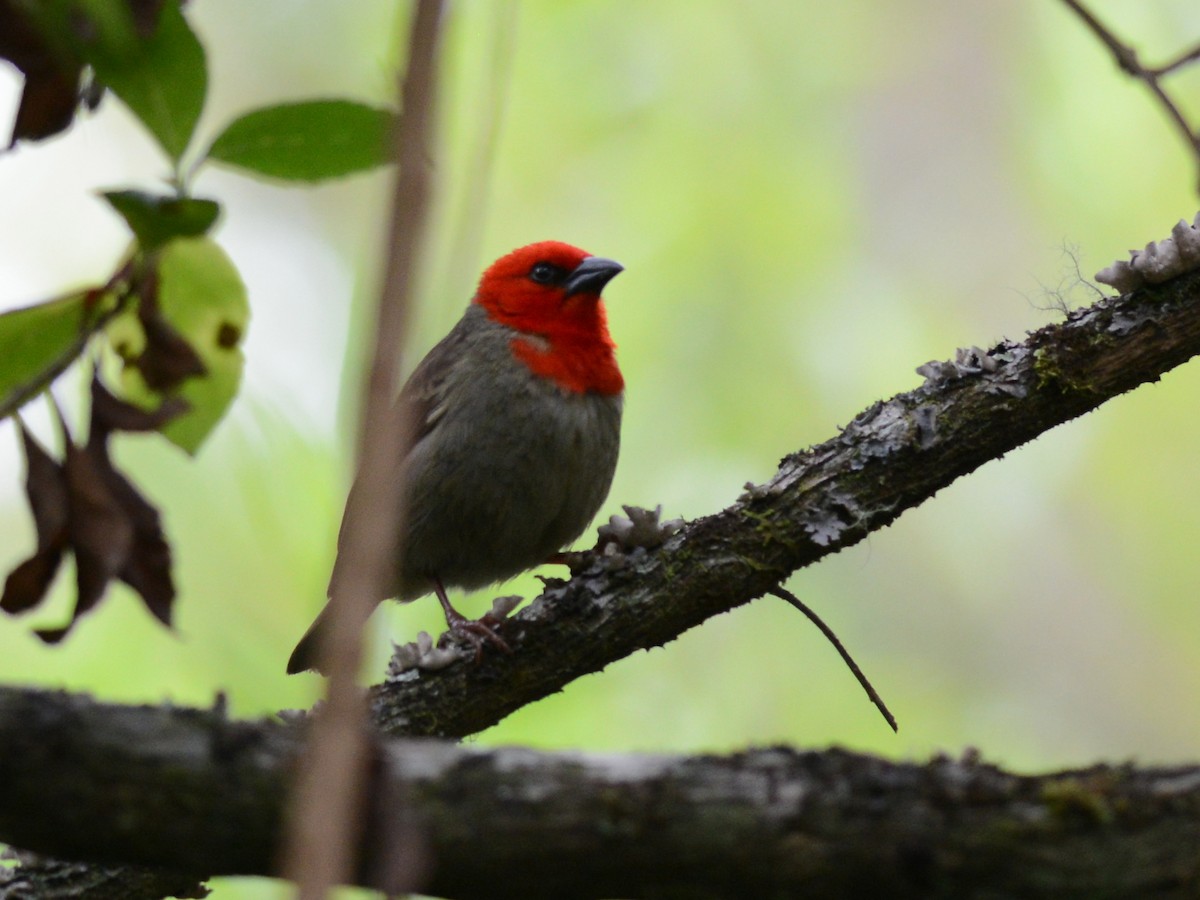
x=228 y=336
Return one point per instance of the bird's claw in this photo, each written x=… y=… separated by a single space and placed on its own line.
x=478 y=632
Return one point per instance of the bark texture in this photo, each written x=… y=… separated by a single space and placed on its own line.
x=891 y=457
x=189 y=791
x=52 y=879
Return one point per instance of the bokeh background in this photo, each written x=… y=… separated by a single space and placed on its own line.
x=810 y=201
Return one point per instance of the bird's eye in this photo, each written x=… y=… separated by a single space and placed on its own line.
x=546 y=273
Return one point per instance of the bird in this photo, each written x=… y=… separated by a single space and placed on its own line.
x=516 y=420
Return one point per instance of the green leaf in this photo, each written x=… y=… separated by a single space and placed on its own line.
x=156 y=219
x=202 y=296
x=38 y=342
x=308 y=141
x=162 y=78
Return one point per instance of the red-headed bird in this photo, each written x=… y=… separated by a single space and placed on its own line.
x=516 y=426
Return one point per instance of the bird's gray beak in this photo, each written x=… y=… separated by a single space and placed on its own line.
x=591 y=275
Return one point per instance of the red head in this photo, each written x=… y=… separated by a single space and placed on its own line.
x=550 y=292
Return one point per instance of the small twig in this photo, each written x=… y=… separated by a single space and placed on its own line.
x=786 y=595
x=1127 y=59
x=1125 y=55
x=1191 y=56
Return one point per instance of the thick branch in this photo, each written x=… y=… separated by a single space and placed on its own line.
x=892 y=457
x=190 y=791
x=203 y=795
x=52 y=879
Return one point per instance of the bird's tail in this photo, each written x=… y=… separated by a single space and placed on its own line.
x=307 y=655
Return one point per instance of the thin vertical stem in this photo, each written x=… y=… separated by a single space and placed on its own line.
x=328 y=806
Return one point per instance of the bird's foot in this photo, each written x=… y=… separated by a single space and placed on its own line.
x=477 y=632
x=575 y=560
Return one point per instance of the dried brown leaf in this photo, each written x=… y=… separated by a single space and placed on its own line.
x=46 y=489
x=87 y=506
x=148 y=567
x=167 y=358
x=27 y=584
x=110 y=413
x=51 y=91
x=101 y=533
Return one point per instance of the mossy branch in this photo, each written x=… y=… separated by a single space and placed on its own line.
x=189 y=791
x=892 y=457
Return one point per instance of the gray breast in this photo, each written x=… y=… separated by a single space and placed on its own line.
x=498 y=490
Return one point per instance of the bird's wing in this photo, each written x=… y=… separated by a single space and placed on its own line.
x=420 y=404
x=421 y=400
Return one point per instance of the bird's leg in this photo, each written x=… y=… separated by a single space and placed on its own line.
x=575 y=560
x=474 y=632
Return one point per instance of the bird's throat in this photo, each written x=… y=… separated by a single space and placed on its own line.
x=576 y=363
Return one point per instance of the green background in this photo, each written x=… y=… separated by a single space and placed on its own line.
x=810 y=201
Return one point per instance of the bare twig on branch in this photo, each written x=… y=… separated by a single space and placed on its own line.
x=1182 y=60
x=791 y=599
x=329 y=794
x=196 y=792
x=891 y=457
x=1127 y=59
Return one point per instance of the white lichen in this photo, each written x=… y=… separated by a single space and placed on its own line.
x=638 y=528
x=1159 y=261
x=423 y=654
x=967 y=361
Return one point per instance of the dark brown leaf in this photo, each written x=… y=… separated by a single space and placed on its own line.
x=100 y=531
x=167 y=359
x=111 y=414
x=48 y=104
x=54 y=635
x=20 y=42
x=88 y=506
x=27 y=584
x=52 y=84
x=46 y=488
x=148 y=568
